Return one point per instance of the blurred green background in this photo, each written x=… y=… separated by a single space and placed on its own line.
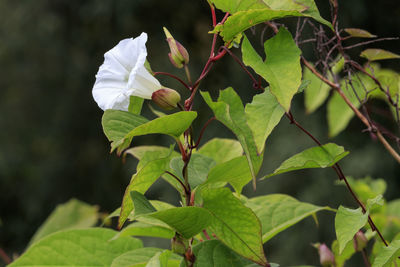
x=51 y=143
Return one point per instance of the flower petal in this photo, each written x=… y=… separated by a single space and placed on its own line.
x=141 y=83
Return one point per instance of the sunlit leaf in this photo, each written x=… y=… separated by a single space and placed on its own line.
x=281 y=68
x=229 y=110
x=221 y=150
x=347 y=224
x=315 y=157
x=241 y=5
x=387 y=255
x=285 y=211
x=262 y=115
x=77 y=248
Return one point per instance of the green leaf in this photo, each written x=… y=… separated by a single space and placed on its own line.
x=367 y=187
x=235 y=6
x=160 y=259
x=146 y=154
x=213 y=253
x=141 y=256
x=70 y=215
x=236 y=172
x=146 y=229
x=339 y=113
x=316 y=93
x=117 y=124
x=360 y=33
x=173 y=125
x=306 y=7
x=347 y=224
x=285 y=211
x=281 y=68
x=141 y=204
x=78 y=247
x=243 y=20
x=387 y=255
x=221 y=150
x=230 y=111
x=262 y=115
x=341 y=258
x=135 y=104
x=234 y=224
x=188 y=221
x=315 y=157
x=141 y=181
x=198 y=168
x=373 y=54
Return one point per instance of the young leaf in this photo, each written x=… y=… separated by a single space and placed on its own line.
x=285 y=211
x=315 y=157
x=213 y=253
x=281 y=68
x=146 y=229
x=141 y=256
x=229 y=110
x=188 y=221
x=262 y=115
x=373 y=54
x=360 y=33
x=236 y=172
x=75 y=248
x=234 y=224
x=198 y=168
x=117 y=124
x=160 y=259
x=221 y=150
x=140 y=182
x=174 y=125
x=347 y=224
x=387 y=255
x=70 y=215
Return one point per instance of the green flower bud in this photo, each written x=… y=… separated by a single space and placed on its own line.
x=326 y=257
x=360 y=241
x=166 y=98
x=178 y=55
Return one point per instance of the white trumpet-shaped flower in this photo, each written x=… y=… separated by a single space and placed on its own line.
x=123 y=74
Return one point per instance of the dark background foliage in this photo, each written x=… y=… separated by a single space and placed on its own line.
x=51 y=143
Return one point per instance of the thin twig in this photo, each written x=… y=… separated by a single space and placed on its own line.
x=172 y=76
x=202 y=132
x=370 y=41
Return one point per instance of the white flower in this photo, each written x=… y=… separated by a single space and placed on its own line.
x=123 y=74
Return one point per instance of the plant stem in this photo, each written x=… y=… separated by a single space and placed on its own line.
x=5 y=257
x=341 y=176
x=336 y=87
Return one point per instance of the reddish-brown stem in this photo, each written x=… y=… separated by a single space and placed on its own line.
x=202 y=132
x=369 y=42
x=213 y=17
x=340 y=175
x=179 y=180
x=364 y=120
x=365 y=258
x=5 y=257
x=172 y=76
x=206 y=234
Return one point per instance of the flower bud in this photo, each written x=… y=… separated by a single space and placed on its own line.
x=178 y=56
x=179 y=245
x=326 y=257
x=360 y=241
x=166 y=98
